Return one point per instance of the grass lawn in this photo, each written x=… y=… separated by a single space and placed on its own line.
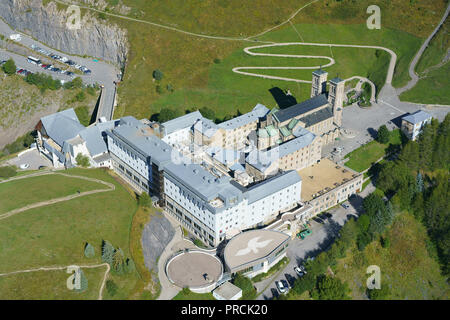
x=19 y=193
x=432 y=89
x=406 y=267
x=51 y=285
x=55 y=235
x=363 y=157
x=189 y=295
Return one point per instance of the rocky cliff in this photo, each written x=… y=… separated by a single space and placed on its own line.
x=47 y=23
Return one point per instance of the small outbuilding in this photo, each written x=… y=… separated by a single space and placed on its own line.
x=227 y=291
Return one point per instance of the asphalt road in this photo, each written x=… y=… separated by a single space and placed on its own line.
x=103 y=73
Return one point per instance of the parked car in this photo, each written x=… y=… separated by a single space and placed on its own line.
x=282 y=286
x=345 y=206
x=44 y=66
x=299 y=272
x=70 y=74
x=24 y=166
x=55 y=69
x=87 y=71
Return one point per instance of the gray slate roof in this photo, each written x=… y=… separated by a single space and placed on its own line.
x=301 y=108
x=259 y=111
x=417 y=117
x=182 y=122
x=262 y=159
x=62 y=126
x=318 y=116
x=134 y=133
x=272 y=185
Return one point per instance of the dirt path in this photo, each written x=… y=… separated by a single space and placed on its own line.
x=100 y=294
x=248 y=50
x=66 y=3
x=412 y=66
x=8 y=214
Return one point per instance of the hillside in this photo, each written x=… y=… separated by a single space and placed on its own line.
x=189 y=62
x=22 y=104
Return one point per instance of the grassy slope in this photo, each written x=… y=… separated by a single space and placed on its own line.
x=405 y=266
x=19 y=193
x=187 y=61
x=56 y=234
x=363 y=157
x=434 y=83
x=433 y=89
x=19 y=100
x=49 y=285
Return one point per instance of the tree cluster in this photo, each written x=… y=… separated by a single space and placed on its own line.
x=418 y=181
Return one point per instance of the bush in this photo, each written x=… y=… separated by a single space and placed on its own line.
x=43 y=81
x=9 y=67
x=378 y=294
x=89 y=250
x=217 y=61
x=111 y=287
x=246 y=285
x=158 y=75
x=80 y=96
x=7 y=172
x=76 y=83
x=329 y=288
x=167 y=114
x=383 y=134
x=158 y=89
x=82 y=160
x=145 y=200
x=305 y=283
x=385 y=242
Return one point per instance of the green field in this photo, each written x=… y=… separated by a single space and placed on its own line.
x=434 y=82
x=22 y=192
x=55 y=235
x=188 y=61
x=406 y=266
x=199 y=69
x=363 y=157
x=49 y=285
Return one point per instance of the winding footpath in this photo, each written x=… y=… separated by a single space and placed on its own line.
x=8 y=214
x=110 y=187
x=248 y=50
x=412 y=66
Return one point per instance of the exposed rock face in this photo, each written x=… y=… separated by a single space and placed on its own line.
x=48 y=24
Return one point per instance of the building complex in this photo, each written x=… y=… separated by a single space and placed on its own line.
x=219 y=179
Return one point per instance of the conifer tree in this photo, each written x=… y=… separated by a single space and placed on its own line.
x=89 y=250
x=107 y=252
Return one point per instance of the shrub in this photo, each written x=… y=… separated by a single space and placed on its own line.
x=217 y=61
x=378 y=294
x=9 y=67
x=43 y=81
x=111 y=287
x=145 y=200
x=7 y=172
x=158 y=75
x=383 y=134
x=246 y=285
x=82 y=160
x=329 y=288
x=89 y=250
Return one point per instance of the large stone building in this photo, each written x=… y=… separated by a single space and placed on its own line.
x=220 y=179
